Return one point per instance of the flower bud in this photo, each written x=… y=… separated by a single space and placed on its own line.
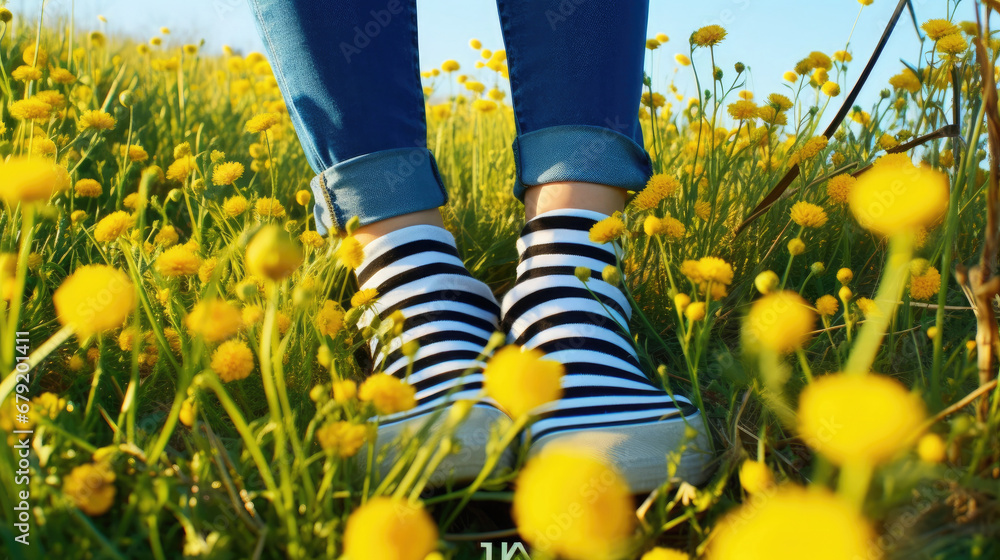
x=681 y=301
x=845 y=293
x=766 y=281
x=796 y=247
x=611 y=275
x=817 y=268
x=582 y=273
x=127 y=98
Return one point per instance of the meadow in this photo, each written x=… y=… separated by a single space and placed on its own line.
x=182 y=374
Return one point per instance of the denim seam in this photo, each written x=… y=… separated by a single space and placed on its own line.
x=418 y=99
x=334 y=218
x=280 y=76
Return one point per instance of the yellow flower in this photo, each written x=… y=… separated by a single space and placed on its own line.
x=26 y=73
x=177 y=261
x=234 y=206
x=660 y=553
x=450 y=66
x=30 y=109
x=267 y=206
x=484 y=105
x=905 y=80
x=342 y=439
x=112 y=226
x=607 y=229
x=94 y=298
x=227 y=173
x=521 y=380
x=742 y=110
x=24 y=180
x=96 y=120
x=262 y=122
x=809 y=150
x=838 y=188
x=251 y=315
x=683 y=60
x=167 y=236
x=207 y=269
x=88 y=188
x=931 y=449
x=330 y=318
x=350 y=252
x=652 y=44
x=273 y=254
x=887 y=142
x=390 y=529
x=388 y=394
x=952 y=45
x=671 y=227
x=312 y=239
x=655 y=100
x=827 y=306
x=755 y=476
x=844 y=276
x=779 y=321
x=926 y=285
x=303 y=197
x=695 y=311
x=364 y=297
x=796 y=247
x=889 y=199
x=344 y=390
x=215 y=320
x=809 y=215
x=858 y=418
x=587 y=501
x=714 y=269
x=91 y=486
x=790 y=76
x=772 y=116
x=867 y=307
x=659 y=187
x=708 y=36
x=232 y=361
x=181 y=169
x=792 y=524
x=938 y=28
x=831 y=89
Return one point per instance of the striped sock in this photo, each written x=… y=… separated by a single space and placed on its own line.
x=606 y=395
x=448 y=313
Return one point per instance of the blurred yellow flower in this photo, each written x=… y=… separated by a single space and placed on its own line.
x=303 y=197
x=695 y=311
x=521 y=380
x=312 y=239
x=792 y=524
x=30 y=109
x=831 y=89
x=26 y=73
x=207 y=269
x=838 y=188
x=272 y=253
x=844 y=276
x=342 y=439
x=808 y=215
x=91 y=487
x=742 y=110
x=214 y=319
x=859 y=418
x=660 y=553
x=181 y=169
x=88 y=188
x=94 y=298
x=585 y=499
x=232 y=361
x=330 y=318
x=796 y=247
x=766 y=282
x=938 y=28
x=683 y=60
x=931 y=448
x=755 y=476
x=780 y=321
x=390 y=529
x=167 y=236
x=450 y=66
x=364 y=297
x=350 y=252
x=889 y=199
x=671 y=227
x=388 y=394
x=24 y=180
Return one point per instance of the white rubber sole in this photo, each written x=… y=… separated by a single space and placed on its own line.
x=640 y=452
x=471 y=438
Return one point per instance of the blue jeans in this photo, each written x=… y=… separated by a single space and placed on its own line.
x=349 y=73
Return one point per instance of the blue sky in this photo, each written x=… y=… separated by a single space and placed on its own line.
x=769 y=36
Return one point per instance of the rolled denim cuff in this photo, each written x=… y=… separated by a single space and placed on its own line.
x=590 y=154
x=377 y=186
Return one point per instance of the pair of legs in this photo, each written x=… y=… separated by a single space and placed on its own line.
x=349 y=72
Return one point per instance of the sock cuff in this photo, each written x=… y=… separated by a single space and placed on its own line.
x=571 y=212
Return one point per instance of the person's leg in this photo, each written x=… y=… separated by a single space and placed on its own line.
x=576 y=80
x=349 y=74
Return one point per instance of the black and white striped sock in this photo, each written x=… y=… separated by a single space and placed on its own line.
x=585 y=327
x=448 y=313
